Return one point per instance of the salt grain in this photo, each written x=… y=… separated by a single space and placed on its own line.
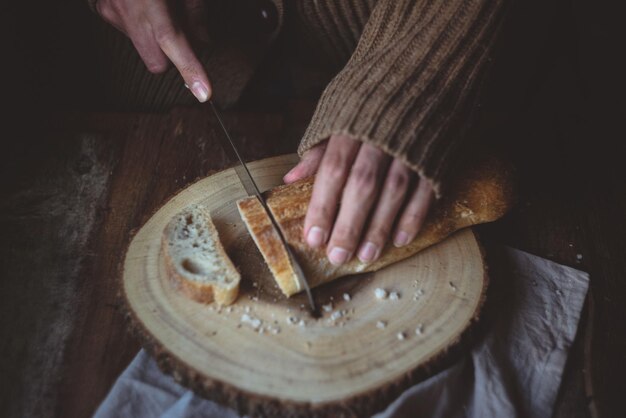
x=253 y=322
x=380 y=293
x=336 y=315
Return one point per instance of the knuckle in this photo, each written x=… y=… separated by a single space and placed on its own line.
x=320 y=214
x=165 y=34
x=410 y=222
x=347 y=235
x=106 y=10
x=398 y=181
x=157 y=67
x=378 y=234
x=334 y=167
x=364 y=180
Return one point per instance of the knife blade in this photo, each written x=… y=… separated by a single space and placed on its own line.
x=252 y=189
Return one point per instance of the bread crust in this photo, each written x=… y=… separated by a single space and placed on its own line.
x=483 y=193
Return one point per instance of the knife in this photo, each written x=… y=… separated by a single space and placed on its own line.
x=252 y=189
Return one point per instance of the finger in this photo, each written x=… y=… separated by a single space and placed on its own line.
x=175 y=45
x=359 y=196
x=329 y=182
x=197 y=17
x=414 y=213
x=393 y=194
x=308 y=165
x=149 y=51
x=110 y=15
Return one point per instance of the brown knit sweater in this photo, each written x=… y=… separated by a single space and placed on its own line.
x=407 y=80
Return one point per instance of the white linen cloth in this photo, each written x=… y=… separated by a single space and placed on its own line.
x=514 y=370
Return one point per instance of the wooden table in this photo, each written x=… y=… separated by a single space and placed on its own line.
x=73 y=188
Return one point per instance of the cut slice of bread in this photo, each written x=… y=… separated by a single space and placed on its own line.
x=196 y=261
x=481 y=194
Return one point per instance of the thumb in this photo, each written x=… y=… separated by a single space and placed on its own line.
x=308 y=165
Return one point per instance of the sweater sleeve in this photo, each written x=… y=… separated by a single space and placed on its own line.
x=410 y=84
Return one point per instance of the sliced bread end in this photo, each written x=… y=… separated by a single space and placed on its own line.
x=195 y=258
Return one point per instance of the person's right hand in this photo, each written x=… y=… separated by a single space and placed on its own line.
x=159 y=39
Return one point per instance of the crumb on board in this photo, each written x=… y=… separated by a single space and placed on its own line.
x=346 y=297
x=381 y=324
x=380 y=293
x=419 y=330
x=292 y=320
x=336 y=315
x=394 y=296
x=452 y=286
x=401 y=336
x=253 y=322
x=328 y=307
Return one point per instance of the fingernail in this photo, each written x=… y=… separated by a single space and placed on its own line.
x=315 y=237
x=402 y=239
x=200 y=91
x=368 y=252
x=338 y=256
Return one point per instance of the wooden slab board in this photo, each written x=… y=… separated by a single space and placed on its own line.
x=292 y=364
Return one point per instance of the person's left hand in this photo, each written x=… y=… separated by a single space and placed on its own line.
x=376 y=192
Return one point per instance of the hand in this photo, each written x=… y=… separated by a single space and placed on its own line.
x=158 y=39
x=377 y=194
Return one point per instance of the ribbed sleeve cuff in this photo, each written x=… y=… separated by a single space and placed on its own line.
x=409 y=86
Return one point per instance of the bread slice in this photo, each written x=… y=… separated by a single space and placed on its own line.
x=195 y=259
x=482 y=194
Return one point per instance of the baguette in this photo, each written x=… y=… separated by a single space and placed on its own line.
x=195 y=260
x=481 y=194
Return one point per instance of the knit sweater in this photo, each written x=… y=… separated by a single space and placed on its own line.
x=408 y=75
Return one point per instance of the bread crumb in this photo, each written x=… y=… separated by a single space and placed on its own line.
x=336 y=315
x=292 y=320
x=394 y=296
x=381 y=324
x=579 y=257
x=274 y=330
x=328 y=307
x=420 y=329
x=302 y=323
x=401 y=336
x=380 y=293
x=452 y=286
x=346 y=297
x=253 y=322
x=229 y=309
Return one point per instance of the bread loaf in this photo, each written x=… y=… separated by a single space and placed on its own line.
x=481 y=194
x=195 y=259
